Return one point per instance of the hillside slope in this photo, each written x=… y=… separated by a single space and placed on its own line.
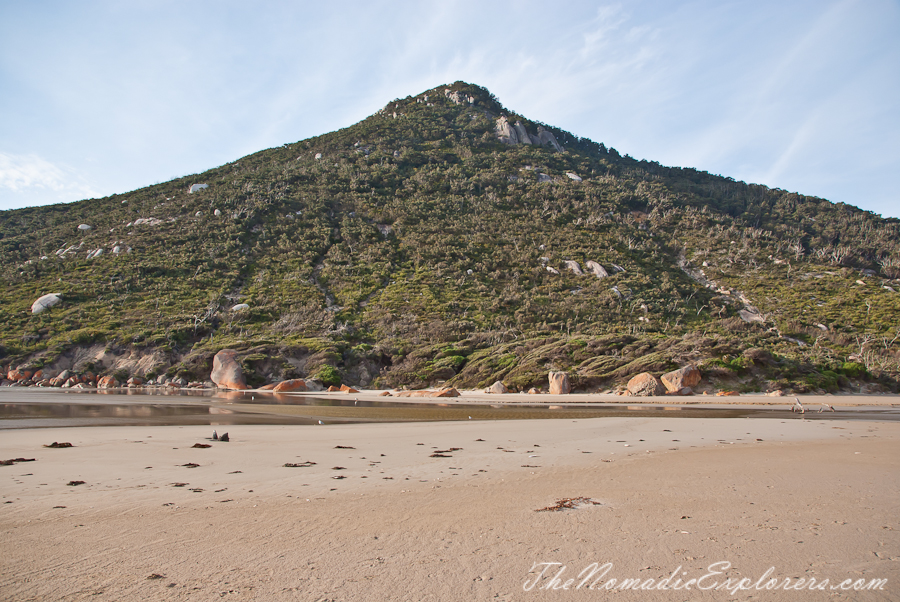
x=446 y=238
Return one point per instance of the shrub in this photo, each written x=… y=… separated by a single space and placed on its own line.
x=329 y=376
x=853 y=369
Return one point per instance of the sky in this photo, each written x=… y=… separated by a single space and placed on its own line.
x=99 y=97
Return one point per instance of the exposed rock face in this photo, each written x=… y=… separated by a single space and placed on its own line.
x=676 y=380
x=506 y=132
x=197 y=187
x=456 y=97
x=522 y=135
x=574 y=267
x=559 y=383
x=533 y=391
x=596 y=269
x=348 y=389
x=517 y=134
x=573 y=176
x=45 y=302
x=295 y=384
x=547 y=139
x=240 y=307
x=135 y=381
x=107 y=382
x=497 y=387
x=84 y=227
x=227 y=372
x=645 y=385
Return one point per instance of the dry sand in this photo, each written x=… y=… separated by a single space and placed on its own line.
x=813 y=402
x=810 y=498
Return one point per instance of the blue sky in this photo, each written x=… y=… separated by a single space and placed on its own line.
x=105 y=97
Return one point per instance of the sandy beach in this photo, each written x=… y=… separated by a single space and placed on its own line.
x=450 y=510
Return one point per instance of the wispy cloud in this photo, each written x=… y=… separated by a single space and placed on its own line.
x=131 y=93
x=24 y=174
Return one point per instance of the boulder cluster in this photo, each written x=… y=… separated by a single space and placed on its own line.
x=69 y=379
x=516 y=134
x=677 y=382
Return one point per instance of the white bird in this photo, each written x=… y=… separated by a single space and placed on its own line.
x=798 y=407
x=825 y=405
x=470 y=418
x=320 y=422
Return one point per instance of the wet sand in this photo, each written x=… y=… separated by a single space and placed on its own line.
x=414 y=518
x=42 y=408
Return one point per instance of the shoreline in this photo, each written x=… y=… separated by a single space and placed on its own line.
x=480 y=397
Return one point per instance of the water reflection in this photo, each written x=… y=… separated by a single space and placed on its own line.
x=32 y=408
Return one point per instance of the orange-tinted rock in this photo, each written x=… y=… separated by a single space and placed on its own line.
x=57 y=382
x=385 y=394
x=332 y=389
x=107 y=382
x=727 y=394
x=347 y=389
x=448 y=392
x=533 y=391
x=295 y=384
x=559 y=383
x=17 y=375
x=645 y=385
x=676 y=380
x=268 y=387
x=227 y=372
x=135 y=381
x=38 y=376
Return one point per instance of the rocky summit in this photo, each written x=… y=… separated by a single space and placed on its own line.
x=447 y=241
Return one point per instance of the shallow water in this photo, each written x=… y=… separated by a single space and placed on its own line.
x=41 y=408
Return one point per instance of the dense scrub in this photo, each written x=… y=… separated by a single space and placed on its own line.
x=417 y=248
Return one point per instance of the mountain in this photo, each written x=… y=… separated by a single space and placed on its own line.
x=446 y=238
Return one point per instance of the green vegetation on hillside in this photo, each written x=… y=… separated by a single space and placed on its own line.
x=417 y=248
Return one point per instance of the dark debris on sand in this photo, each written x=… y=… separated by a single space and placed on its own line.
x=59 y=445
x=14 y=460
x=569 y=503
